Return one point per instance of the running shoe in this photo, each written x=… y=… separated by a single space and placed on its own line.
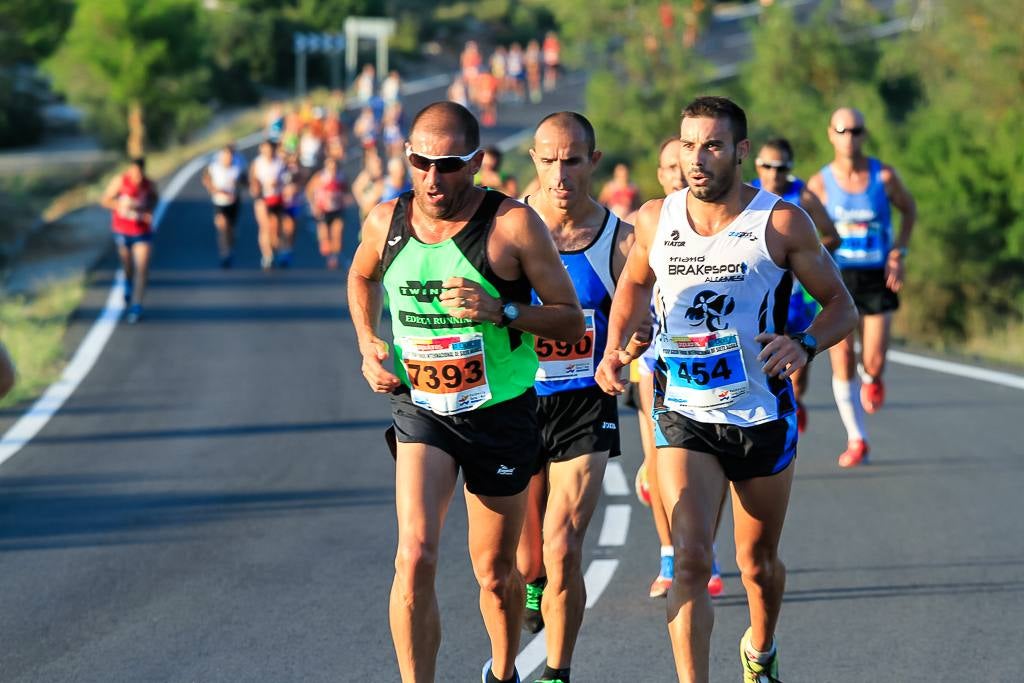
x=640 y=485
x=533 y=620
x=267 y=262
x=549 y=680
x=856 y=453
x=754 y=671
x=127 y=292
x=487 y=670
x=715 y=585
x=801 y=417
x=134 y=314
x=226 y=261
x=662 y=584
x=872 y=395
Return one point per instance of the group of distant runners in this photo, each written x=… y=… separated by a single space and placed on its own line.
x=515 y=323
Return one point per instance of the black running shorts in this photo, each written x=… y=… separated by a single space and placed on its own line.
x=229 y=211
x=867 y=287
x=573 y=423
x=496 y=447
x=743 y=452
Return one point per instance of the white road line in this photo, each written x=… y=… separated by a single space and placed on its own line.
x=615 y=480
x=424 y=84
x=615 y=526
x=88 y=352
x=959 y=369
x=599 y=575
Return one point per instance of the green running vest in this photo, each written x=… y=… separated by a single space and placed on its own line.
x=412 y=276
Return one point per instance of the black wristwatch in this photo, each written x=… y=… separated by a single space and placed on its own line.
x=807 y=342
x=509 y=313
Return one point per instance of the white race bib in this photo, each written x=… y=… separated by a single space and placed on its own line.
x=446 y=374
x=704 y=370
x=561 y=360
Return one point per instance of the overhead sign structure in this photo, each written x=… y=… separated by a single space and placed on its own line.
x=378 y=29
x=331 y=44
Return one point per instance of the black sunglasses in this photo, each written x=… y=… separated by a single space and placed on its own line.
x=855 y=131
x=776 y=165
x=443 y=164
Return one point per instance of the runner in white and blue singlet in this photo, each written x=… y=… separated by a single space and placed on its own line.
x=773 y=164
x=723 y=255
x=857 y=191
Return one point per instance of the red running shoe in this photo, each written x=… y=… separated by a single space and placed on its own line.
x=642 y=488
x=801 y=417
x=856 y=453
x=872 y=396
x=715 y=585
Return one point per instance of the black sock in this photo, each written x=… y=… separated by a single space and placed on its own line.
x=555 y=674
x=491 y=678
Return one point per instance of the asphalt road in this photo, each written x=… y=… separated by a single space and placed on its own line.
x=215 y=503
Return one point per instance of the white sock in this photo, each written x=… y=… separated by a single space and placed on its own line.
x=667 y=551
x=761 y=657
x=850 y=410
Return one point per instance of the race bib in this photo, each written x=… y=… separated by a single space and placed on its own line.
x=704 y=370
x=561 y=360
x=223 y=198
x=862 y=242
x=446 y=374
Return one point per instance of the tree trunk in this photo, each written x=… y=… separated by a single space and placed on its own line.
x=136 y=131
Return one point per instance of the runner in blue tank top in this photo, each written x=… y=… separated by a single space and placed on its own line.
x=857 y=191
x=578 y=421
x=773 y=164
x=722 y=255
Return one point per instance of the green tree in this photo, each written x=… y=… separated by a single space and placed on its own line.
x=136 y=68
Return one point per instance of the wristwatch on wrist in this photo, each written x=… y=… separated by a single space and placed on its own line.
x=509 y=313
x=807 y=342
x=902 y=251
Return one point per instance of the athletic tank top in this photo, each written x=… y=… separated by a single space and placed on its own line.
x=715 y=294
x=453 y=365
x=792 y=195
x=330 y=193
x=225 y=183
x=269 y=174
x=133 y=202
x=563 y=366
x=863 y=219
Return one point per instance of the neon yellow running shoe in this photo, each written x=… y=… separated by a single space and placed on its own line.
x=755 y=672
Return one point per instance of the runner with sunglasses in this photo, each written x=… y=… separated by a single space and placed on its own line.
x=579 y=423
x=458 y=264
x=857 y=192
x=722 y=255
x=774 y=165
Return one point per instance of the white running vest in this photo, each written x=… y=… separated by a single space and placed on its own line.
x=715 y=294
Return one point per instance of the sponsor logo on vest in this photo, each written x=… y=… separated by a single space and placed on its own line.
x=673 y=240
x=506 y=471
x=713 y=272
x=433 y=321
x=741 y=234
x=424 y=292
x=709 y=308
x=609 y=425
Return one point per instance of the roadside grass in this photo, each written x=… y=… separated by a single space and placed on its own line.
x=33 y=330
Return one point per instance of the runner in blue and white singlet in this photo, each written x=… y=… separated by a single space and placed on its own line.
x=722 y=255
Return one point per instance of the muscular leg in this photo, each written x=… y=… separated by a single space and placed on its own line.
x=220 y=222
x=127 y=264
x=759 y=510
x=337 y=232
x=574 y=487
x=140 y=258
x=495 y=525
x=874 y=341
x=424 y=483
x=530 y=553
x=651 y=458
x=692 y=486
x=846 y=389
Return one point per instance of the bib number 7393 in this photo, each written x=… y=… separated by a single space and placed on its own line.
x=447 y=375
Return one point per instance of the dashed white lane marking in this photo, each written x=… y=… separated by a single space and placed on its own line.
x=959 y=369
x=615 y=526
x=599 y=575
x=615 y=480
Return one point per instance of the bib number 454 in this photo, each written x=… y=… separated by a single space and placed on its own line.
x=697 y=371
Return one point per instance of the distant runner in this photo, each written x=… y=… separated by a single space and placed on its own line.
x=223 y=179
x=132 y=197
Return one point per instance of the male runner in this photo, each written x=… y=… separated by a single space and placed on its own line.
x=722 y=253
x=458 y=263
x=132 y=197
x=773 y=164
x=857 y=191
x=328 y=195
x=578 y=421
x=223 y=179
x=266 y=184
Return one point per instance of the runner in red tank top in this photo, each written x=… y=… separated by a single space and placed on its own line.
x=329 y=195
x=132 y=197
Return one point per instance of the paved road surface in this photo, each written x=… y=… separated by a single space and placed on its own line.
x=215 y=504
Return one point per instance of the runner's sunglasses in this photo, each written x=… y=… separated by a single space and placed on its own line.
x=443 y=164
x=855 y=131
x=775 y=165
